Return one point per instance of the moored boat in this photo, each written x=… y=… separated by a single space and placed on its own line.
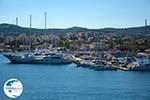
x=36 y=58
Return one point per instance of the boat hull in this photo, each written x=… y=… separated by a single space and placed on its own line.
x=141 y=68
x=32 y=60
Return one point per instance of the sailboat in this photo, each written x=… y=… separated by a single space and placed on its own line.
x=38 y=56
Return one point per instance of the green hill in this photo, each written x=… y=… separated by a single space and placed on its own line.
x=13 y=29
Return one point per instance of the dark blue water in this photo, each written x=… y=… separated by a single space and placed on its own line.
x=67 y=82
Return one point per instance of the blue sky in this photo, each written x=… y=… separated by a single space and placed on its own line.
x=84 y=13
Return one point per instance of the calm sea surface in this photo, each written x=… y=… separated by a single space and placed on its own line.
x=67 y=82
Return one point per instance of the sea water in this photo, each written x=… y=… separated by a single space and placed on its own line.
x=68 y=82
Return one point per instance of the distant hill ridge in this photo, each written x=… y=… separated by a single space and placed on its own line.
x=13 y=29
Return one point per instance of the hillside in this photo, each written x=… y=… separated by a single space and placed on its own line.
x=13 y=29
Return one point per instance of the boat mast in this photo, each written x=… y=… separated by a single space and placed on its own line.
x=45 y=26
x=16 y=35
x=30 y=33
x=145 y=22
x=45 y=20
x=146 y=26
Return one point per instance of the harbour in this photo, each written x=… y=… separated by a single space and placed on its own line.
x=58 y=82
x=85 y=49
x=74 y=50
x=104 y=61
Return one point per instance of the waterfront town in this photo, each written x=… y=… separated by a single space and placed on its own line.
x=90 y=49
x=75 y=49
